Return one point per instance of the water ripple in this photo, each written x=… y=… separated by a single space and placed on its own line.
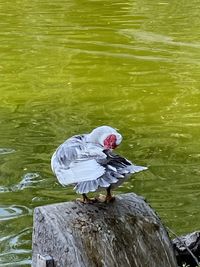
x=14 y=246
x=4 y=189
x=29 y=180
x=123 y=55
x=13 y=211
x=157 y=38
x=6 y=151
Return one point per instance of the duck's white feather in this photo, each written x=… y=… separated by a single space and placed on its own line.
x=76 y=161
x=82 y=160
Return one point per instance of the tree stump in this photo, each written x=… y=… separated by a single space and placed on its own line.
x=182 y=244
x=124 y=233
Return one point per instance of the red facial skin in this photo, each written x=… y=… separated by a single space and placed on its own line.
x=110 y=142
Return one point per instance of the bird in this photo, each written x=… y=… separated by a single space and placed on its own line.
x=88 y=162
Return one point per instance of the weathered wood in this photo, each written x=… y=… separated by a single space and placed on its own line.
x=44 y=261
x=191 y=241
x=126 y=232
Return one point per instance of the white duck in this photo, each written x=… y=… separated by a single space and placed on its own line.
x=88 y=162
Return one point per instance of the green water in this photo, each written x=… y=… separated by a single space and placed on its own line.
x=69 y=66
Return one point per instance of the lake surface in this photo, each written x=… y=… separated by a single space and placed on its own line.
x=69 y=66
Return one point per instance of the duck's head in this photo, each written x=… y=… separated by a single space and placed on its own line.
x=105 y=136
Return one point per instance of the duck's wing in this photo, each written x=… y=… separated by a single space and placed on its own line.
x=117 y=169
x=120 y=164
x=75 y=162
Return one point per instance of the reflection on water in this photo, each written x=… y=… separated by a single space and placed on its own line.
x=28 y=180
x=11 y=212
x=6 y=151
x=14 y=246
x=67 y=67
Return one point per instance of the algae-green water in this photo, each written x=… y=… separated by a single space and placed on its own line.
x=69 y=66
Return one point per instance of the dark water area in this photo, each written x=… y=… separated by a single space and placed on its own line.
x=69 y=66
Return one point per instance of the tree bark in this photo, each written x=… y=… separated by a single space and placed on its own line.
x=125 y=233
x=191 y=241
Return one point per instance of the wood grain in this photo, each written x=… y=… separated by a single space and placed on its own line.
x=126 y=232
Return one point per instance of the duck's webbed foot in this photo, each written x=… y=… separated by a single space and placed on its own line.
x=87 y=200
x=109 y=199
